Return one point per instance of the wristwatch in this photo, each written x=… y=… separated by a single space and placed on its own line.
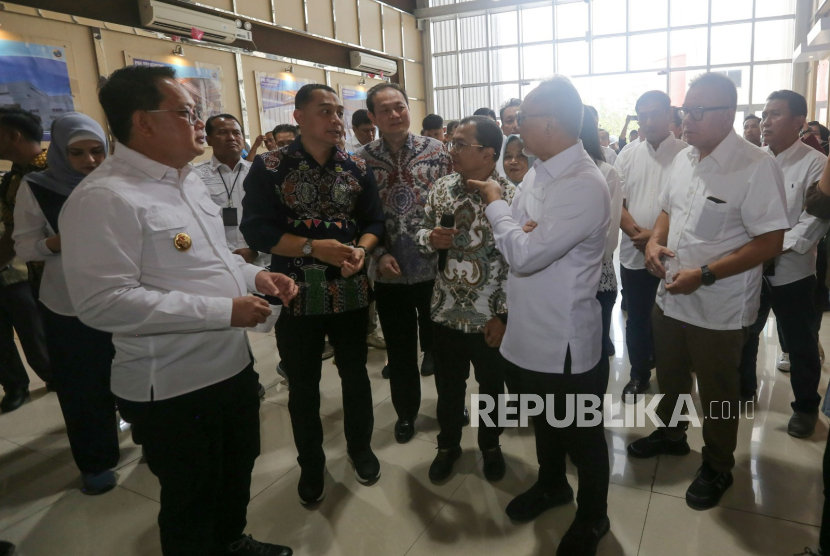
x=708 y=277
x=307 y=247
x=365 y=251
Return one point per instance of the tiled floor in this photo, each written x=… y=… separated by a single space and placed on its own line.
x=774 y=507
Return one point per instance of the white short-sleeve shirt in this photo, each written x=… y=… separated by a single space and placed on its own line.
x=716 y=206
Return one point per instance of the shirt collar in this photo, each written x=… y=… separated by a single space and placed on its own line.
x=723 y=152
x=409 y=144
x=788 y=152
x=670 y=138
x=215 y=164
x=556 y=165
x=296 y=150
x=155 y=170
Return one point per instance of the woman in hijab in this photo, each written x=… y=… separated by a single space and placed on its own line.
x=516 y=163
x=81 y=356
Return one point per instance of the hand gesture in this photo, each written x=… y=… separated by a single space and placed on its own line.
x=388 y=267
x=353 y=264
x=494 y=332
x=277 y=285
x=442 y=238
x=331 y=251
x=249 y=311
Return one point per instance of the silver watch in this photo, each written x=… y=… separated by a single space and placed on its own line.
x=307 y=247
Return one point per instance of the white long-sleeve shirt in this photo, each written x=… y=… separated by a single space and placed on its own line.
x=169 y=310
x=612 y=178
x=31 y=230
x=226 y=190
x=802 y=166
x=555 y=269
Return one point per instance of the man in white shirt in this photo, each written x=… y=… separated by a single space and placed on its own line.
x=790 y=282
x=752 y=129
x=643 y=169
x=224 y=175
x=363 y=130
x=604 y=141
x=145 y=258
x=723 y=215
x=555 y=233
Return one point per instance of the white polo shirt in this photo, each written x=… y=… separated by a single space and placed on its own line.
x=715 y=207
x=802 y=166
x=643 y=172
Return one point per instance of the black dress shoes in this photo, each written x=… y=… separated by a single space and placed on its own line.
x=633 y=388
x=708 y=487
x=531 y=504
x=441 y=467
x=247 y=546
x=13 y=399
x=582 y=537
x=658 y=443
x=404 y=430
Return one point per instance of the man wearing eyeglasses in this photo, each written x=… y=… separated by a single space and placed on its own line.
x=644 y=169
x=509 y=126
x=723 y=215
x=146 y=258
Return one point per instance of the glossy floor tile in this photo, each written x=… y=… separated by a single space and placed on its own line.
x=774 y=507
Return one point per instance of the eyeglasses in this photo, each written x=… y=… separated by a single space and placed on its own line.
x=457 y=147
x=697 y=112
x=193 y=114
x=521 y=117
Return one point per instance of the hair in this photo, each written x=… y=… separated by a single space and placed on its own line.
x=451 y=125
x=303 y=96
x=285 y=128
x=823 y=131
x=485 y=112
x=601 y=130
x=590 y=135
x=751 y=117
x=654 y=96
x=717 y=81
x=675 y=114
x=634 y=132
x=796 y=103
x=360 y=117
x=373 y=92
x=509 y=104
x=433 y=121
x=209 y=122
x=563 y=101
x=24 y=122
x=128 y=90
x=488 y=133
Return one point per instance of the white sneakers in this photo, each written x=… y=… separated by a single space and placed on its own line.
x=783 y=363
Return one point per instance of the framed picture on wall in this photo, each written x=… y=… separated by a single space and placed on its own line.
x=354 y=98
x=275 y=98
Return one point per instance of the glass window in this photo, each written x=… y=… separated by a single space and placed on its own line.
x=731 y=10
x=609 y=55
x=731 y=43
x=505 y=64
x=644 y=15
x=503 y=93
x=679 y=84
x=689 y=12
x=572 y=58
x=647 y=51
x=445 y=69
x=474 y=67
x=528 y=86
x=443 y=36
x=614 y=96
x=772 y=8
x=571 y=20
x=688 y=47
x=441 y=2
x=768 y=78
x=537 y=24
x=822 y=70
x=773 y=40
x=504 y=28
x=475 y=98
x=446 y=103
x=473 y=32
x=740 y=76
x=537 y=61
x=608 y=17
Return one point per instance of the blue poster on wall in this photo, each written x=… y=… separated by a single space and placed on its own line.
x=35 y=77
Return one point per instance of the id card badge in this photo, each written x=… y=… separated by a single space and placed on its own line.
x=229 y=216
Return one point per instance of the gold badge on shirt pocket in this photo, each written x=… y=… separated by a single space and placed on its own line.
x=182 y=242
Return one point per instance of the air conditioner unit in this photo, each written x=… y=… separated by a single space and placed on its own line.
x=181 y=21
x=373 y=64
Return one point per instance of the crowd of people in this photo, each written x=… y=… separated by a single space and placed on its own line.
x=131 y=276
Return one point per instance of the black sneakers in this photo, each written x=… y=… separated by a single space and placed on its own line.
x=312 y=486
x=494 y=466
x=247 y=546
x=529 y=505
x=366 y=466
x=658 y=443
x=441 y=467
x=582 y=537
x=706 y=490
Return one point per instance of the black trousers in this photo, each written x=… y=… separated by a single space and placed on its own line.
x=404 y=311
x=18 y=311
x=454 y=351
x=586 y=446
x=794 y=308
x=201 y=446
x=81 y=360
x=300 y=341
x=641 y=291
x=606 y=301
x=824 y=536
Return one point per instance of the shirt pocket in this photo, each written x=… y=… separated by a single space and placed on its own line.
x=159 y=242
x=712 y=220
x=214 y=219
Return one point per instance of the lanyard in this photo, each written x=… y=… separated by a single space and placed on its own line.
x=238 y=171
